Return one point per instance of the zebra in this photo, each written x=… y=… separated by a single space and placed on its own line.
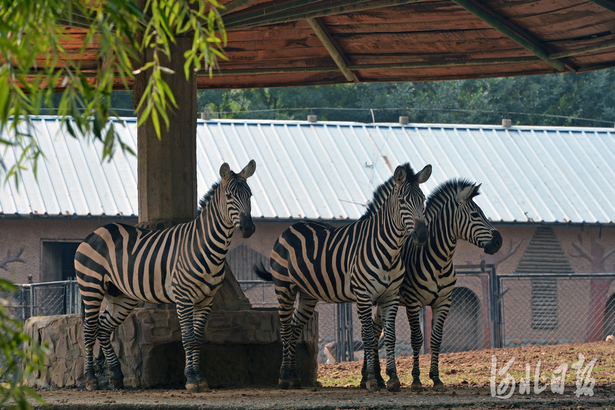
x=430 y=277
x=184 y=264
x=359 y=262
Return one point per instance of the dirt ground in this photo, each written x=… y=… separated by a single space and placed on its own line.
x=467 y=376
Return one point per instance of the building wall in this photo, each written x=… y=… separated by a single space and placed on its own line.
x=31 y=234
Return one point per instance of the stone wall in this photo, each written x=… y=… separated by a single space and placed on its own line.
x=241 y=348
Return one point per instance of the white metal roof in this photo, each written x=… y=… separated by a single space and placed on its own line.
x=329 y=170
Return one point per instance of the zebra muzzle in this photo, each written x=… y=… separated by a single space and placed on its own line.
x=420 y=233
x=494 y=245
x=246 y=227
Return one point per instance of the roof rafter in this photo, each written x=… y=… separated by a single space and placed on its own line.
x=607 y=4
x=332 y=48
x=511 y=31
x=293 y=11
x=588 y=49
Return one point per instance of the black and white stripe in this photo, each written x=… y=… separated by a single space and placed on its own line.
x=184 y=265
x=452 y=215
x=359 y=262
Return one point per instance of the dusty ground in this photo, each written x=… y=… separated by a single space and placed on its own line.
x=466 y=375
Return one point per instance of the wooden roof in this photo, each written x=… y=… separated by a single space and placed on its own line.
x=311 y=42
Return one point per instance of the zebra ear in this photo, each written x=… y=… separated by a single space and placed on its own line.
x=400 y=175
x=465 y=193
x=424 y=174
x=225 y=171
x=475 y=190
x=249 y=169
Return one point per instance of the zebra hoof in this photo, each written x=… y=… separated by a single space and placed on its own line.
x=394 y=385
x=416 y=386
x=372 y=385
x=197 y=387
x=439 y=386
x=284 y=384
x=91 y=384
x=289 y=384
x=116 y=384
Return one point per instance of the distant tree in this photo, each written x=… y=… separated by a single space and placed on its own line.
x=532 y=100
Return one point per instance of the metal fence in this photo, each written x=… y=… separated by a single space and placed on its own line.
x=473 y=322
x=556 y=308
x=487 y=310
x=43 y=299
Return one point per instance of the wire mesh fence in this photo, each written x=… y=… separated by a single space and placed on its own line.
x=43 y=299
x=469 y=325
x=554 y=309
x=487 y=310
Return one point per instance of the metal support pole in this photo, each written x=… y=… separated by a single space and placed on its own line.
x=31 y=301
x=345 y=342
x=496 y=308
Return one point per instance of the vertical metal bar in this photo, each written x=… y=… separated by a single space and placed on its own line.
x=350 y=333
x=341 y=345
x=496 y=308
x=31 y=301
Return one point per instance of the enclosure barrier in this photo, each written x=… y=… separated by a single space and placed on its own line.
x=487 y=310
x=43 y=299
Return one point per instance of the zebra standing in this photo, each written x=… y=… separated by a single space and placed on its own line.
x=184 y=265
x=359 y=262
x=452 y=215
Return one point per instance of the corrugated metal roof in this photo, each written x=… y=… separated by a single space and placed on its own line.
x=329 y=170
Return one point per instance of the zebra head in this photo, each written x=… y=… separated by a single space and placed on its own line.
x=237 y=193
x=472 y=225
x=412 y=201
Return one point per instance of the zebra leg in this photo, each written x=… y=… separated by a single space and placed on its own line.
x=303 y=313
x=90 y=333
x=417 y=341
x=364 y=308
x=118 y=308
x=192 y=320
x=440 y=312
x=377 y=323
x=389 y=314
x=286 y=293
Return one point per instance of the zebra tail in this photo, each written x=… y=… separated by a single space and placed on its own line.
x=262 y=272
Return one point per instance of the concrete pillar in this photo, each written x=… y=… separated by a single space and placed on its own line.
x=167 y=166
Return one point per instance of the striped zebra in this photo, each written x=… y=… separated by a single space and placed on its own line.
x=183 y=264
x=452 y=215
x=359 y=262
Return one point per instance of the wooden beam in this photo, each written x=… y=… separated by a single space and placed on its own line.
x=601 y=46
x=268 y=10
x=332 y=48
x=510 y=31
x=426 y=64
x=314 y=10
x=607 y=4
x=234 y=5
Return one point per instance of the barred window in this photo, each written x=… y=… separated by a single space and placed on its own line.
x=544 y=303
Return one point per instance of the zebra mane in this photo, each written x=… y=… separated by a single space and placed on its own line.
x=384 y=190
x=447 y=190
x=206 y=198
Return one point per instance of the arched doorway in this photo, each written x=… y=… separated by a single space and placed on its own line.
x=462 y=329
